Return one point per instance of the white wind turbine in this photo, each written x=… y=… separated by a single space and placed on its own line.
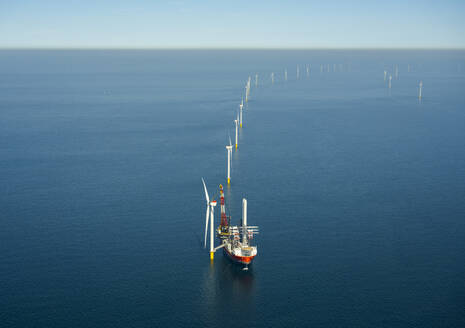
x=229 y=149
x=285 y=74
x=209 y=216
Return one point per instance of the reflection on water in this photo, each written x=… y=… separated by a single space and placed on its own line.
x=233 y=276
x=228 y=288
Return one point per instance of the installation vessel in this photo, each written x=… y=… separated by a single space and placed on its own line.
x=236 y=241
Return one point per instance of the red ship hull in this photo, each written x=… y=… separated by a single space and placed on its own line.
x=238 y=259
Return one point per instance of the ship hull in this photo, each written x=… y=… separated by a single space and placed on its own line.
x=245 y=260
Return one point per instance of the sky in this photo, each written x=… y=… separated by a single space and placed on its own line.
x=232 y=24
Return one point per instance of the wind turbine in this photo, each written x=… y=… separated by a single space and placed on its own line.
x=209 y=216
x=236 y=121
x=229 y=149
x=308 y=71
x=420 y=87
x=256 y=80
x=285 y=74
x=297 y=73
x=272 y=77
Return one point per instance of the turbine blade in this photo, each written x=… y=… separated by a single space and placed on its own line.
x=206 y=192
x=230 y=143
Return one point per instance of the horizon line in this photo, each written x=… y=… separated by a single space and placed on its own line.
x=229 y=48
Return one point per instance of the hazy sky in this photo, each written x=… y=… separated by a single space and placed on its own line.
x=236 y=23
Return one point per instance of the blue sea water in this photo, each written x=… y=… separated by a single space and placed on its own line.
x=358 y=189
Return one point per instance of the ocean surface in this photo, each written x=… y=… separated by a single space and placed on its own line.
x=358 y=189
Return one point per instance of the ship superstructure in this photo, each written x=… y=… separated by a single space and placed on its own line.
x=238 y=246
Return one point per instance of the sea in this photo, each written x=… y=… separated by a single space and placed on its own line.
x=358 y=189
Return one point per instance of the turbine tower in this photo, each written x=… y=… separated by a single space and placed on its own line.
x=236 y=121
x=421 y=86
x=210 y=215
x=298 y=71
x=241 y=106
x=244 y=220
x=256 y=80
x=285 y=74
x=272 y=77
x=229 y=149
x=247 y=90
